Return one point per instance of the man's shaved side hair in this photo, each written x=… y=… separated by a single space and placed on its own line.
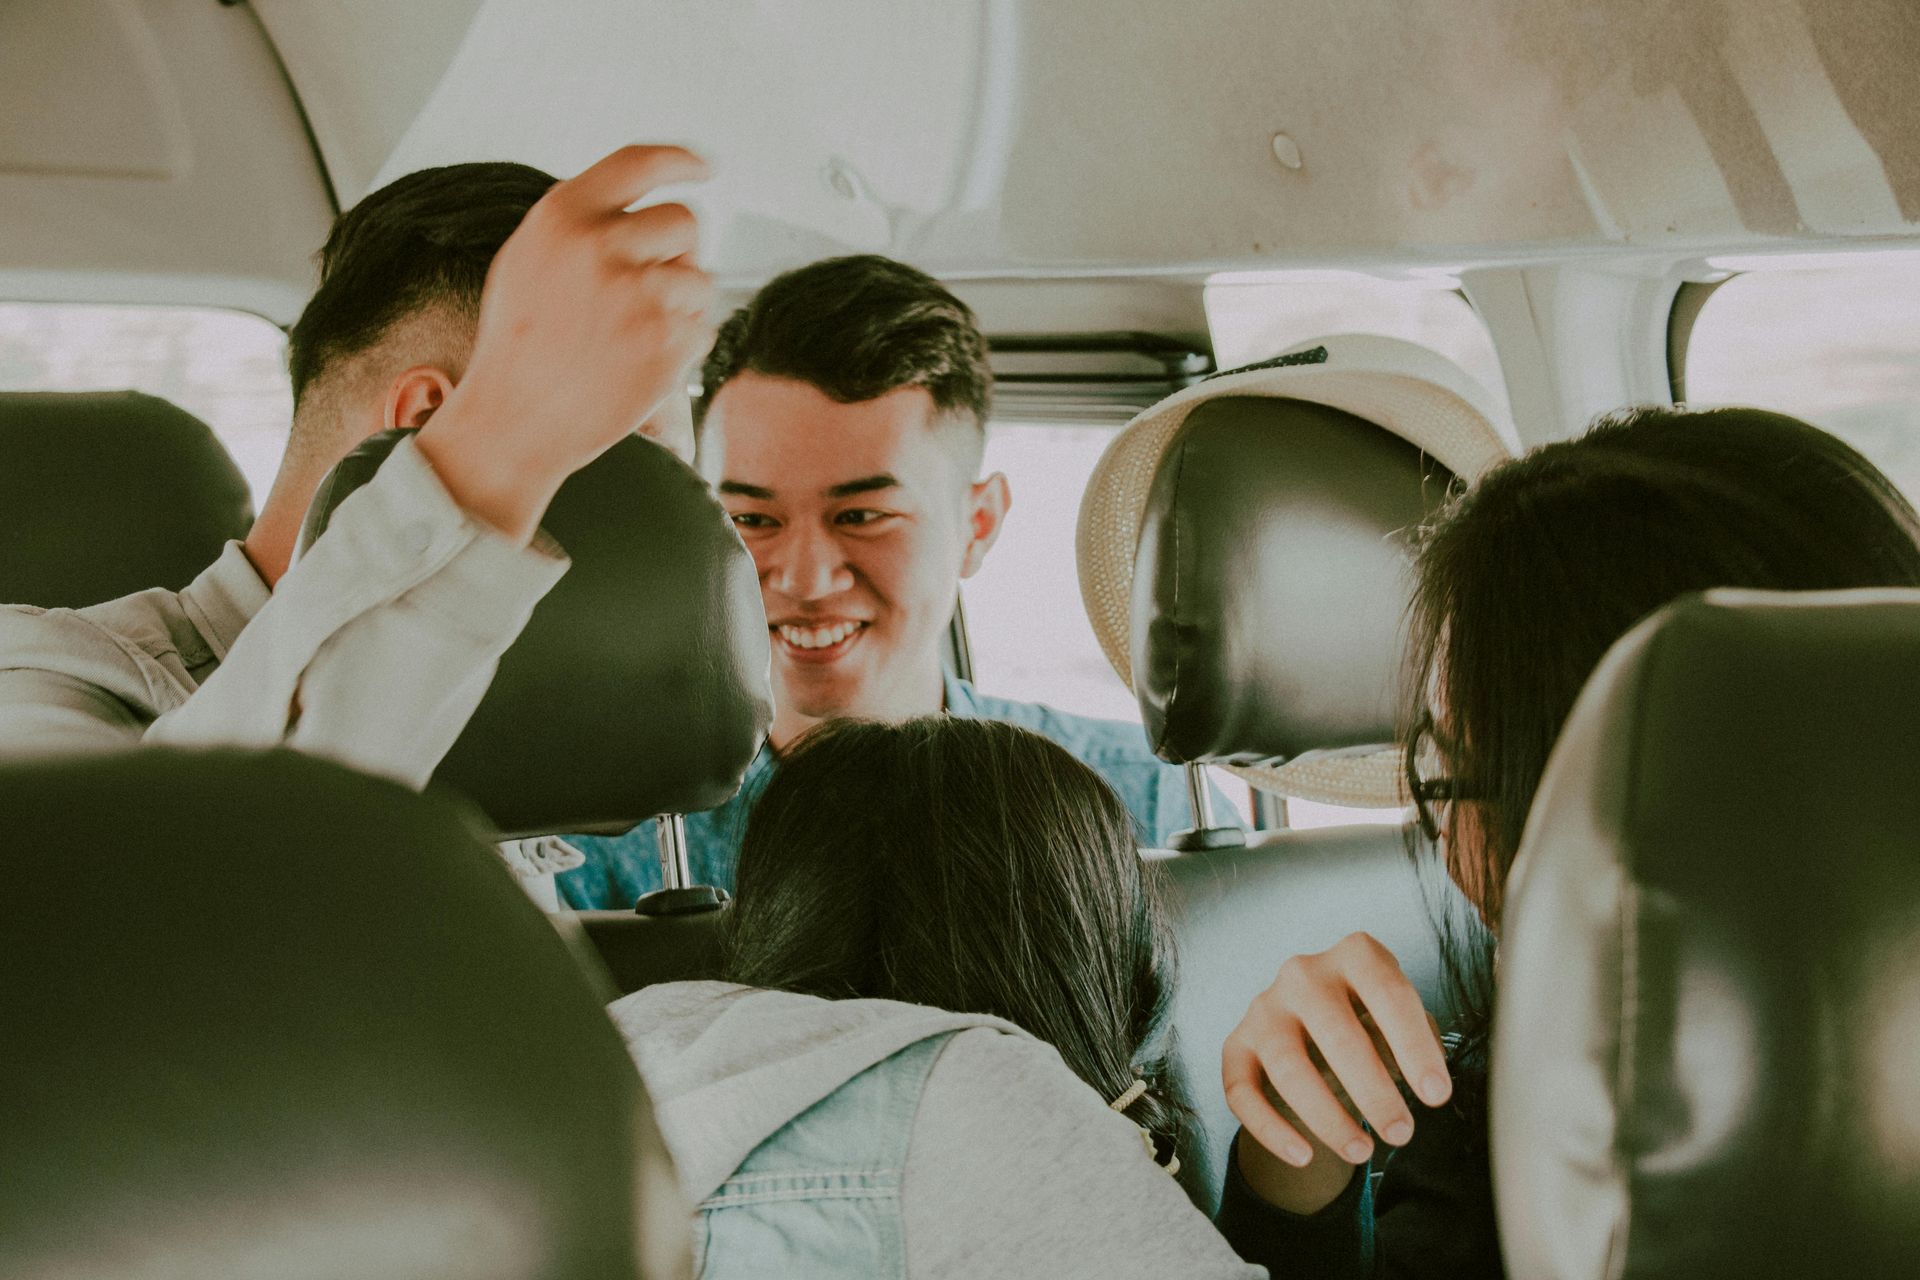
x=405 y=267
x=856 y=328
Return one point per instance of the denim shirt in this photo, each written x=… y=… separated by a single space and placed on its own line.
x=619 y=869
x=822 y=1196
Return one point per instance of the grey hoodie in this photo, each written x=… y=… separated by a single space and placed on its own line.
x=1015 y=1166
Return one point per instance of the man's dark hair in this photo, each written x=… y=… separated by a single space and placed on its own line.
x=857 y=328
x=423 y=240
x=970 y=865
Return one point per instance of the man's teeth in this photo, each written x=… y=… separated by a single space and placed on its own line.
x=818 y=637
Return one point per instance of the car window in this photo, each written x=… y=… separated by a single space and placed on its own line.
x=1835 y=341
x=1256 y=316
x=1029 y=635
x=227 y=368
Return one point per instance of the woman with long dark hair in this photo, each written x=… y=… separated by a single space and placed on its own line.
x=938 y=1053
x=1523 y=585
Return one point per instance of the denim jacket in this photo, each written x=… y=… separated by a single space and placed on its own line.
x=875 y=1138
x=822 y=1196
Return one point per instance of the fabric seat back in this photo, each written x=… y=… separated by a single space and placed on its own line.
x=1241 y=912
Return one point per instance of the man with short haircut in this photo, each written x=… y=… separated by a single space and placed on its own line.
x=844 y=427
x=523 y=326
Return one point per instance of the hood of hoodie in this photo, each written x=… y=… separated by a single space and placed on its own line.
x=728 y=1066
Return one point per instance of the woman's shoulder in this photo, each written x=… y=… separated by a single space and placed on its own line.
x=1026 y=1169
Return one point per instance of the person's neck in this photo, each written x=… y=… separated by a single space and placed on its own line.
x=269 y=544
x=925 y=695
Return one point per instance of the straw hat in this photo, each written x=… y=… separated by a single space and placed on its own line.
x=1417 y=394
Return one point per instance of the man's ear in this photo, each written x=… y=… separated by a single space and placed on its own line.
x=987 y=504
x=414 y=396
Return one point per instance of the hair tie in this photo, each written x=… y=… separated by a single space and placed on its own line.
x=1159 y=1149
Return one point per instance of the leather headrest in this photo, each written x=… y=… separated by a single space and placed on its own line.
x=641 y=684
x=1272 y=578
x=268 y=1017
x=107 y=493
x=1707 y=1049
x=1271 y=655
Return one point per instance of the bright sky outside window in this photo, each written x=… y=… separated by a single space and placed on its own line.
x=1838 y=345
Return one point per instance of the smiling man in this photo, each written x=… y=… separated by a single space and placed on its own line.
x=844 y=430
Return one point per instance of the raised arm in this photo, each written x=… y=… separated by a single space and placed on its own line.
x=376 y=647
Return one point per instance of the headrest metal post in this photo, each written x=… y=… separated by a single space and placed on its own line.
x=677 y=895
x=1200 y=797
x=671 y=829
x=1206 y=832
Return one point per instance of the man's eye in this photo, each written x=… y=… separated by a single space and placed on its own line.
x=862 y=516
x=752 y=520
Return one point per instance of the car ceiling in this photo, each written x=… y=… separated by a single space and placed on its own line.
x=1035 y=138
x=995 y=135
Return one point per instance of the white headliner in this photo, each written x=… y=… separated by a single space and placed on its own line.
x=978 y=138
x=1034 y=136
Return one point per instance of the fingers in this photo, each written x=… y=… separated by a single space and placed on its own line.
x=656 y=233
x=1241 y=1074
x=1396 y=1009
x=624 y=177
x=680 y=288
x=1325 y=1010
x=1331 y=1037
x=1272 y=1048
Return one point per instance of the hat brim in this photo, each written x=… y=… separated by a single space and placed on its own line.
x=1415 y=393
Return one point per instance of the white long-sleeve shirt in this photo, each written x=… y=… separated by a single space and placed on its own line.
x=373 y=650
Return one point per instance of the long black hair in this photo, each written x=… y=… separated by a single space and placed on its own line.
x=965 y=864
x=1527 y=579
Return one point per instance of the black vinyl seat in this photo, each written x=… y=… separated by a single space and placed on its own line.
x=305 y=1023
x=1706 y=1055
x=106 y=493
x=640 y=686
x=639 y=950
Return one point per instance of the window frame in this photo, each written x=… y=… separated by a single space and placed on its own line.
x=1689 y=300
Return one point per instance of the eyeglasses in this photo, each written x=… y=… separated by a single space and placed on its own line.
x=1428 y=783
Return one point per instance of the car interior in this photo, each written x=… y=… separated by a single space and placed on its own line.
x=370 y=1048
x=1649 y=858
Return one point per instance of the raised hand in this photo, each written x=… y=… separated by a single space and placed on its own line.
x=590 y=317
x=1324 y=1044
